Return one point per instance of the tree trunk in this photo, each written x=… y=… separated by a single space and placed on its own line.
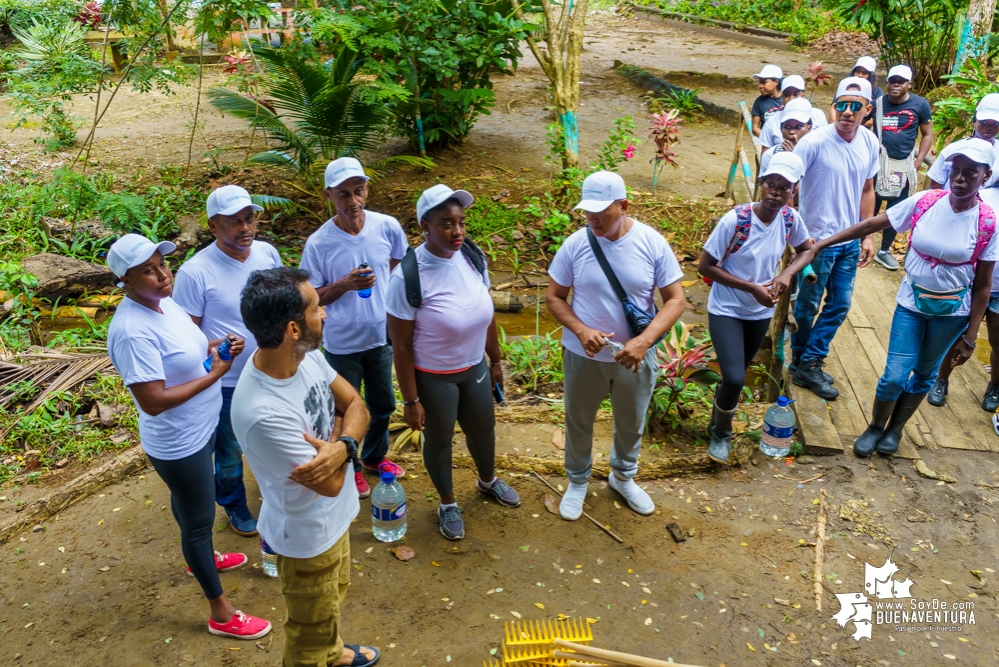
x=974 y=38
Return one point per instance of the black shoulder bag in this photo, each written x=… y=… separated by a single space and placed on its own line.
x=638 y=319
x=411 y=270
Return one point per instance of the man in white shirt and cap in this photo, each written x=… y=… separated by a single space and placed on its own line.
x=208 y=287
x=349 y=260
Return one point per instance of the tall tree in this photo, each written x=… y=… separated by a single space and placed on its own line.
x=559 y=57
x=974 y=41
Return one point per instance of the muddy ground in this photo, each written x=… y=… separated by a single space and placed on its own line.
x=103 y=583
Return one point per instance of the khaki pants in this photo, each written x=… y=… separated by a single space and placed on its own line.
x=314 y=589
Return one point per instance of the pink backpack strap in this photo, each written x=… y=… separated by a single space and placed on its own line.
x=743 y=223
x=924 y=204
x=986 y=228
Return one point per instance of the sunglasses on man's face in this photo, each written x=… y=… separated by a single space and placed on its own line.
x=854 y=106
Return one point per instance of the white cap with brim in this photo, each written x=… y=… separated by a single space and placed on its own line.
x=343 y=168
x=785 y=164
x=863 y=84
x=975 y=149
x=798 y=109
x=439 y=194
x=792 y=81
x=134 y=249
x=770 y=72
x=600 y=190
x=229 y=200
x=902 y=71
x=867 y=62
x=988 y=108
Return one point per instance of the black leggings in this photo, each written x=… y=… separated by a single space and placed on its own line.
x=468 y=398
x=736 y=343
x=191 y=481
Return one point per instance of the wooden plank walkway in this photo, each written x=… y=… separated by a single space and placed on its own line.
x=857 y=359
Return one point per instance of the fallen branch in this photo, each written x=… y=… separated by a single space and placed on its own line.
x=820 y=541
x=89 y=482
x=600 y=525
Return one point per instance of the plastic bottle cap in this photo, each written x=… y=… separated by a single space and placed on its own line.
x=386 y=477
x=782 y=401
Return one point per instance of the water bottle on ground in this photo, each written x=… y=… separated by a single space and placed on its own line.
x=388 y=509
x=364 y=293
x=269 y=559
x=223 y=351
x=616 y=347
x=778 y=429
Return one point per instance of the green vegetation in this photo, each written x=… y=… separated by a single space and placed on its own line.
x=806 y=21
x=535 y=361
x=685 y=378
x=954 y=105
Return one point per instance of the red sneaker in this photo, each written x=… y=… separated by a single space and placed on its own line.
x=242 y=626
x=226 y=562
x=363 y=490
x=393 y=468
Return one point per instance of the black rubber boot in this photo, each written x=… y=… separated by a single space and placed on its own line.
x=810 y=375
x=721 y=434
x=905 y=407
x=868 y=440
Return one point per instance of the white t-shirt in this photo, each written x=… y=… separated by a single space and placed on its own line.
x=354 y=324
x=642 y=261
x=451 y=325
x=835 y=172
x=939 y=171
x=269 y=417
x=145 y=346
x=209 y=286
x=943 y=234
x=991 y=197
x=757 y=261
x=770 y=134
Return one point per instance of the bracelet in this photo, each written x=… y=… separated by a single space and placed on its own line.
x=495 y=363
x=971 y=345
x=412 y=402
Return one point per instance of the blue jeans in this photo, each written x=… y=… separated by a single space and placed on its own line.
x=836 y=269
x=229 y=490
x=374 y=368
x=917 y=345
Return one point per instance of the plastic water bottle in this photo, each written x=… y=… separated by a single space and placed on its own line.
x=616 y=347
x=269 y=558
x=364 y=293
x=388 y=509
x=778 y=429
x=223 y=351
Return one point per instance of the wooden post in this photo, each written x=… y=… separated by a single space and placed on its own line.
x=729 y=189
x=775 y=365
x=747 y=173
x=757 y=147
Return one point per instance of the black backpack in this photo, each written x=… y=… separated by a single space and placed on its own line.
x=411 y=270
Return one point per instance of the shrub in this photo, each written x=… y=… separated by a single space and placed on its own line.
x=954 y=106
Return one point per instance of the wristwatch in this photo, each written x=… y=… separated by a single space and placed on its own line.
x=351 y=445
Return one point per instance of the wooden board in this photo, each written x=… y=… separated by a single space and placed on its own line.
x=814 y=423
x=847 y=415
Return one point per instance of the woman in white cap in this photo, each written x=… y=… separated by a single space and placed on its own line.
x=941 y=302
x=741 y=258
x=161 y=355
x=798 y=113
x=986 y=127
x=768 y=103
x=442 y=326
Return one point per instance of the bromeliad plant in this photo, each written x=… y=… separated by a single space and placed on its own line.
x=683 y=363
x=665 y=133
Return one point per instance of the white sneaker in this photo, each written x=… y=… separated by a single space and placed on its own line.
x=571 y=507
x=637 y=498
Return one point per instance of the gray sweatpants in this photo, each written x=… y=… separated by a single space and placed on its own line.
x=587 y=383
x=468 y=398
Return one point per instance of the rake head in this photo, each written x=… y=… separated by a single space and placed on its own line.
x=520 y=633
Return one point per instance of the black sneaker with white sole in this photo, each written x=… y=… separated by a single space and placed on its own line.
x=501 y=492
x=991 y=400
x=452 y=525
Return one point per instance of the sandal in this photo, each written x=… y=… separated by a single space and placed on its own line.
x=361 y=660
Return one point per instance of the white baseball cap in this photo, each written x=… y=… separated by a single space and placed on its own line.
x=785 y=164
x=792 y=81
x=770 y=72
x=133 y=249
x=988 y=108
x=229 y=199
x=864 y=84
x=903 y=71
x=600 y=190
x=439 y=194
x=798 y=109
x=867 y=62
x=343 y=168
x=975 y=149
